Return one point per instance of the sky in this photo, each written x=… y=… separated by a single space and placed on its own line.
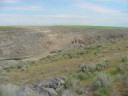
x=64 y=12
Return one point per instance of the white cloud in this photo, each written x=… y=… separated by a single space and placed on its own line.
x=104 y=0
x=120 y=1
x=46 y=16
x=42 y=20
x=64 y=16
x=96 y=8
x=29 y=8
x=9 y=1
x=14 y=19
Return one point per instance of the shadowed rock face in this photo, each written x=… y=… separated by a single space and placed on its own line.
x=26 y=41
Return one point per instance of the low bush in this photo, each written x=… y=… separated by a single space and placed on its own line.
x=99 y=67
x=68 y=55
x=102 y=92
x=91 y=69
x=125 y=78
x=86 y=69
x=122 y=68
x=124 y=59
x=81 y=53
x=82 y=75
x=103 y=80
x=67 y=83
x=102 y=65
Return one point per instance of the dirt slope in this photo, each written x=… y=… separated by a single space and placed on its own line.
x=26 y=41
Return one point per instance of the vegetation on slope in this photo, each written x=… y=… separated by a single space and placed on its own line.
x=97 y=69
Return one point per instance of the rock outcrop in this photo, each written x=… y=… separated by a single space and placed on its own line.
x=49 y=87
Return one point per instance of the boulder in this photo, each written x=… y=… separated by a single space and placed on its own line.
x=49 y=87
x=56 y=84
x=49 y=91
x=66 y=93
x=25 y=90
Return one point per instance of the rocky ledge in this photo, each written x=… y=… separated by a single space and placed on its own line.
x=47 y=87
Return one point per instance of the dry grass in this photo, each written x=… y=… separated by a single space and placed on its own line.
x=61 y=66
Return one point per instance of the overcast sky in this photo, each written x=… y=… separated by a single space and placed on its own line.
x=64 y=12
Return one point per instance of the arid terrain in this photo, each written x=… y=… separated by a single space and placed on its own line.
x=27 y=41
x=63 y=61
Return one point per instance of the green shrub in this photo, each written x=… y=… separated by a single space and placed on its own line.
x=102 y=92
x=122 y=73
x=19 y=66
x=122 y=68
x=86 y=69
x=105 y=62
x=67 y=83
x=98 y=67
x=68 y=55
x=102 y=80
x=124 y=59
x=81 y=53
x=102 y=65
x=82 y=75
x=125 y=78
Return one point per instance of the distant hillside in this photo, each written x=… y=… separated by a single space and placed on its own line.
x=26 y=41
